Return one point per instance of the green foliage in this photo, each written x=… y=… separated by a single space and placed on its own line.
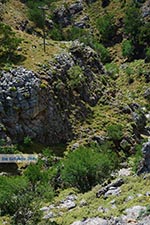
x=128 y=49
x=76 y=77
x=27 y=141
x=137 y=157
x=39 y=180
x=115 y=132
x=8 y=41
x=98 y=47
x=85 y=167
x=56 y=33
x=103 y=52
x=74 y=33
x=144 y=35
x=147 y=59
x=106 y=27
x=132 y=22
x=112 y=69
x=6 y=149
x=33 y=173
x=138 y=32
x=11 y=188
x=34 y=13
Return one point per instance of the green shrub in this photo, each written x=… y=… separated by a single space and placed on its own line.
x=112 y=69
x=6 y=149
x=103 y=52
x=11 y=189
x=132 y=22
x=8 y=41
x=98 y=47
x=115 y=132
x=27 y=141
x=86 y=167
x=74 y=33
x=147 y=59
x=76 y=77
x=144 y=36
x=106 y=28
x=33 y=173
x=56 y=33
x=127 y=49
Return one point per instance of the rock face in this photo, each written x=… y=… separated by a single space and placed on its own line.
x=92 y=221
x=40 y=105
x=144 y=166
x=63 y=15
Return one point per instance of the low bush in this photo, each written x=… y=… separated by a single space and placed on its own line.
x=147 y=59
x=8 y=42
x=76 y=77
x=128 y=49
x=106 y=28
x=7 y=149
x=85 y=167
x=11 y=189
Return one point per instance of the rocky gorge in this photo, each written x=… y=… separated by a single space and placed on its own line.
x=88 y=91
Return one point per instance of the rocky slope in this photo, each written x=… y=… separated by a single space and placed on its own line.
x=74 y=98
x=40 y=105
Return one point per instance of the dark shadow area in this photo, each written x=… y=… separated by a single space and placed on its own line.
x=105 y=3
x=14 y=58
x=9 y=169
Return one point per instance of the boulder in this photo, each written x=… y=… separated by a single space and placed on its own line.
x=134 y=212
x=147 y=94
x=92 y=221
x=144 y=166
x=76 y=7
x=62 y=16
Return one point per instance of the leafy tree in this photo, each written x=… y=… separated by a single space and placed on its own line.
x=34 y=13
x=8 y=41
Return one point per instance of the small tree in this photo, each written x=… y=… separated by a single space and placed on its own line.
x=85 y=167
x=8 y=41
x=115 y=133
x=132 y=22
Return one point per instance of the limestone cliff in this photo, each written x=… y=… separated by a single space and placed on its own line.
x=40 y=105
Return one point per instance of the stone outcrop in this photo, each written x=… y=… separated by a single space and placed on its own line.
x=110 y=189
x=144 y=166
x=40 y=104
x=65 y=14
